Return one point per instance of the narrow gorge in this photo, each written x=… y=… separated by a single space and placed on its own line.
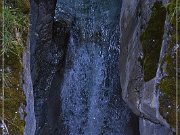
x=93 y=67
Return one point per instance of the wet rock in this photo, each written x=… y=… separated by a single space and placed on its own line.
x=86 y=70
x=142 y=96
x=150 y=128
x=30 y=126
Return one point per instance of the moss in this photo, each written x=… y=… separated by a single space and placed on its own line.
x=13 y=100
x=22 y=5
x=168 y=99
x=167 y=109
x=167 y=85
x=170 y=67
x=151 y=40
x=170 y=7
x=171 y=11
x=14 y=96
x=15 y=34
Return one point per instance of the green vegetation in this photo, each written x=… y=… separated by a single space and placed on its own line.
x=171 y=6
x=151 y=40
x=15 y=29
x=22 y=5
x=14 y=38
x=167 y=85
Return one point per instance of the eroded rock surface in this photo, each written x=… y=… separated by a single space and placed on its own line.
x=140 y=91
x=86 y=69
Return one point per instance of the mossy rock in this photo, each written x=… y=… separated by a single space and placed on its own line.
x=14 y=96
x=167 y=100
x=15 y=18
x=171 y=10
x=167 y=85
x=167 y=88
x=151 y=40
x=22 y=5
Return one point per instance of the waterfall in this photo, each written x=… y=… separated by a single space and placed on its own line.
x=90 y=92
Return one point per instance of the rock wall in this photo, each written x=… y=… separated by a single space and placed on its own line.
x=140 y=95
x=28 y=90
x=87 y=72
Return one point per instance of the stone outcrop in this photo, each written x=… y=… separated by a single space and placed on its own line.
x=140 y=95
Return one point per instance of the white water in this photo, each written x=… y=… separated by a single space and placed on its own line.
x=91 y=92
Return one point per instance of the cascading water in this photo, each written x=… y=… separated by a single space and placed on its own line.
x=90 y=92
x=80 y=54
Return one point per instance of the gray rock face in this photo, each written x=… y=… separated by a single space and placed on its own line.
x=142 y=97
x=149 y=128
x=28 y=90
x=84 y=76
